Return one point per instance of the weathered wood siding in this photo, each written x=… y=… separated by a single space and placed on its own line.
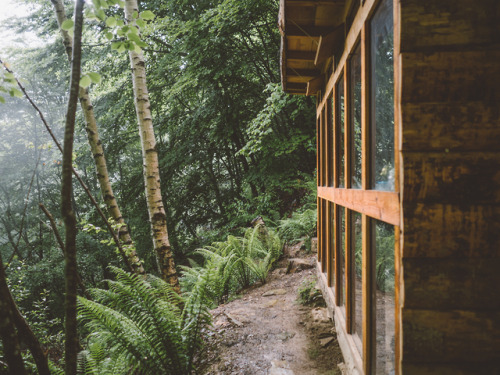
x=449 y=98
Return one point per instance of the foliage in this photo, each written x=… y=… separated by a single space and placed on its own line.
x=310 y=295
x=235 y=263
x=143 y=326
x=384 y=273
x=299 y=227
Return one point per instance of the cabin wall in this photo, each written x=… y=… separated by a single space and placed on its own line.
x=449 y=108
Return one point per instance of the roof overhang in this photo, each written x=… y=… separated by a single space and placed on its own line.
x=310 y=33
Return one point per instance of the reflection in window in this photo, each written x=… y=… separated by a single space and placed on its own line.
x=331 y=207
x=357 y=279
x=340 y=131
x=382 y=94
x=329 y=142
x=384 y=298
x=341 y=237
x=355 y=104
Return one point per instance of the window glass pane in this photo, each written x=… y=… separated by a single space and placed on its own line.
x=341 y=238
x=329 y=122
x=355 y=104
x=357 y=279
x=384 y=303
x=382 y=66
x=340 y=142
x=331 y=207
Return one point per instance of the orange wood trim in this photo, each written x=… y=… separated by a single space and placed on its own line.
x=380 y=205
x=318 y=227
x=324 y=235
x=398 y=301
x=349 y=266
x=368 y=294
x=328 y=243
x=324 y=130
x=317 y=153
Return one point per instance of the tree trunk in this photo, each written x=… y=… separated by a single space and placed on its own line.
x=8 y=334
x=71 y=334
x=154 y=200
x=98 y=154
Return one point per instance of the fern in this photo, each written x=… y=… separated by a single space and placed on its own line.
x=299 y=227
x=139 y=326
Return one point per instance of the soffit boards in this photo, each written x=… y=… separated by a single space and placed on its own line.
x=310 y=32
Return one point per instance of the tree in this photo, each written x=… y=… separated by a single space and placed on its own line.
x=71 y=273
x=157 y=216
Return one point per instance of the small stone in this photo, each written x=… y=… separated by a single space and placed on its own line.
x=326 y=341
x=271 y=303
x=274 y=292
x=280 y=368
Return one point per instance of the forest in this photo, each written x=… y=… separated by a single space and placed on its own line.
x=151 y=167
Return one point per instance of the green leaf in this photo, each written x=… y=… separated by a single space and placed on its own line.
x=134 y=30
x=95 y=77
x=85 y=81
x=137 y=49
x=15 y=92
x=67 y=24
x=147 y=15
x=140 y=23
x=135 y=15
x=108 y=35
x=120 y=23
x=2 y=99
x=134 y=37
x=110 y=21
x=100 y=14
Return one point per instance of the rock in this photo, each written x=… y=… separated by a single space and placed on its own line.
x=298 y=265
x=271 y=303
x=233 y=320
x=319 y=314
x=274 y=292
x=280 y=368
x=285 y=335
x=327 y=340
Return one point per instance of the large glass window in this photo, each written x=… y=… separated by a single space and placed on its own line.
x=384 y=298
x=355 y=118
x=341 y=218
x=340 y=131
x=382 y=93
x=357 y=248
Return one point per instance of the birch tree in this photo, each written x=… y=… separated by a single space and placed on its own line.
x=151 y=170
x=98 y=152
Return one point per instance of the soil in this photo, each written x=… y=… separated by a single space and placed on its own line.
x=267 y=331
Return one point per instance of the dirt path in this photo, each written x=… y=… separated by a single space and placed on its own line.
x=267 y=331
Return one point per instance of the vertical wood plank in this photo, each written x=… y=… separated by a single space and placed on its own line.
x=324 y=235
x=318 y=228
x=328 y=235
x=398 y=266
x=336 y=130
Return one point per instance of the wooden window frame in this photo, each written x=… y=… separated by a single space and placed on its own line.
x=371 y=204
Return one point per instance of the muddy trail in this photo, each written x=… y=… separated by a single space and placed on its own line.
x=267 y=331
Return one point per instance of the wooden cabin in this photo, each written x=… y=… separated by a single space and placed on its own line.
x=408 y=145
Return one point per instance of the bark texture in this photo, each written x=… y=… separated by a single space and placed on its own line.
x=151 y=170
x=98 y=154
x=8 y=334
x=71 y=272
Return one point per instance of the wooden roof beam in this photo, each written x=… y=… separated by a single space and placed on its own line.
x=328 y=43
x=301 y=55
x=314 y=85
x=293 y=30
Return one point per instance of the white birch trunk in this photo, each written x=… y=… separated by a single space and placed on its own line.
x=156 y=209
